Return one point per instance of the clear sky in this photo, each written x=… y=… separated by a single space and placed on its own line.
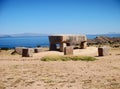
x=59 y=16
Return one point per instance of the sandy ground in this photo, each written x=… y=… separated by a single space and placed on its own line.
x=31 y=73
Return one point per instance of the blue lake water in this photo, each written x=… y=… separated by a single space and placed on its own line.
x=12 y=42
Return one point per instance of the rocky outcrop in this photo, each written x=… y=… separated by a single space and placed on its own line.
x=103 y=40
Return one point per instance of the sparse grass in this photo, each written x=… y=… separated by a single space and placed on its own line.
x=16 y=66
x=68 y=58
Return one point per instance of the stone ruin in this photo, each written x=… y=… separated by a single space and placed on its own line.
x=27 y=52
x=103 y=51
x=68 y=50
x=79 y=41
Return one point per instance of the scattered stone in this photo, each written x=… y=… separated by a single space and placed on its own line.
x=68 y=50
x=27 y=52
x=103 y=51
x=19 y=50
x=37 y=50
x=83 y=45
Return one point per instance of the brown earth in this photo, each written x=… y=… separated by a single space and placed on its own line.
x=18 y=72
x=104 y=39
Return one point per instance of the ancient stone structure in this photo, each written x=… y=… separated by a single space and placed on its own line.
x=67 y=40
x=27 y=52
x=83 y=45
x=68 y=50
x=103 y=51
x=37 y=50
x=19 y=50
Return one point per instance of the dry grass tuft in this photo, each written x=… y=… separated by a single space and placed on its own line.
x=68 y=58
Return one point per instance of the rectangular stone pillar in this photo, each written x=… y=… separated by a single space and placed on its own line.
x=68 y=50
x=27 y=52
x=83 y=45
x=53 y=47
x=62 y=46
x=103 y=51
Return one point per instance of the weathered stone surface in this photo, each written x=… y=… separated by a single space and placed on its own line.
x=68 y=50
x=27 y=52
x=19 y=50
x=53 y=47
x=63 y=40
x=37 y=50
x=103 y=51
x=83 y=45
x=56 y=39
x=62 y=46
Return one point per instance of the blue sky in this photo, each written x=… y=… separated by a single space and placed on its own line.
x=59 y=16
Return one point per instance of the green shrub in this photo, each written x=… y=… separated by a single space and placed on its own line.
x=38 y=46
x=68 y=58
x=4 y=48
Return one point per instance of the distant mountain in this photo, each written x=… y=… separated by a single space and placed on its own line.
x=5 y=36
x=90 y=36
x=24 y=35
x=28 y=34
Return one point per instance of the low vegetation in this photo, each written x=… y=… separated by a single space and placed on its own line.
x=68 y=58
x=5 y=48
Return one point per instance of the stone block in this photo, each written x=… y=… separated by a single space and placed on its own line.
x=83 y=45
x=53 y=47
x=27 y=52
x=68 y=50
x=103 y=51
x=37 y=50
x=62 y=46
x=19 y=50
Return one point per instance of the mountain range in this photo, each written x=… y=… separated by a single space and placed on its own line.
x=24 y=35
x=37 y=34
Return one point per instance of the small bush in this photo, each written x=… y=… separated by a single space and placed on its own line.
x=38 y=46
x=68 y=58
x=4 y=48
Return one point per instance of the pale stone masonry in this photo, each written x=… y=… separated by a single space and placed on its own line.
x=68 y=50
x=67 y=40
x=27 y=52
x=103 y=51
x=19 y=50
x=37 y=50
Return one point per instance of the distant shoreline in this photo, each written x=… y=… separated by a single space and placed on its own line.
x=89 y=36
x=34 y=41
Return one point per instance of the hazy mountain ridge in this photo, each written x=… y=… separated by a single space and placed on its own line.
x=38 y=34
x=24 y=35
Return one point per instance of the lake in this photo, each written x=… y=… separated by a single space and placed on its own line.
x=43 y=41
x=13 y=42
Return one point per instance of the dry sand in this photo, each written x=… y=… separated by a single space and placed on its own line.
x=31 y=73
